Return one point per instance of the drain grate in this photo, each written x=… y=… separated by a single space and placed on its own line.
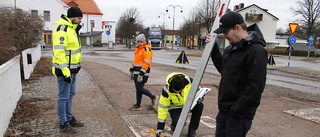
x=140 y=120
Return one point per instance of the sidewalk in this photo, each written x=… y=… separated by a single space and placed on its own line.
x=89 y=101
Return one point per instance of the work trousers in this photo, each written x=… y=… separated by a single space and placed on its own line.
x=228 y=126
x=65 y=97
x=195 y=117
x=140 y=90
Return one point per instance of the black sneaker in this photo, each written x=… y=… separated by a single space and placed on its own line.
x=75 y=123
x=135 y=107
x=67 y=128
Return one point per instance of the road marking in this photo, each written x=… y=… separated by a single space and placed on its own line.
x=307 y=114
x=208 y=121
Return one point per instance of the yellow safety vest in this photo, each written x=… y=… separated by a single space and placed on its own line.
x=66 y=48
x=171 y=100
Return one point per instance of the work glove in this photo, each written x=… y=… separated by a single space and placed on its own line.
x=131 y=69
x=140 y=76
x=67 y=79
x=158 y=132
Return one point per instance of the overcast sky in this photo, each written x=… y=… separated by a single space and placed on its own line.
x=151 y=9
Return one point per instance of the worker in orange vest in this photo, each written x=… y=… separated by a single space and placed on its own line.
x=140 y=71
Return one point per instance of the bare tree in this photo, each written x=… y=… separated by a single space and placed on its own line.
x=19 y=31
x=129 y=22
x=206 y=11
x=310 y=12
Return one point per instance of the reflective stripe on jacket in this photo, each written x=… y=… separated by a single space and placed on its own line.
x=142 y=61
x=66 y=48
x=171 y=100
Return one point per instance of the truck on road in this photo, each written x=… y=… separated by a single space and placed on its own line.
x=154 y=37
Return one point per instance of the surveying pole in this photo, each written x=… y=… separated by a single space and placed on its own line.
x=201 y=69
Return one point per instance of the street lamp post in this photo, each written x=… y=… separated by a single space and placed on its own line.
x=174 y=8
x=164 y=17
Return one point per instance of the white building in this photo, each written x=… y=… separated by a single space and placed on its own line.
x=51 y=10
x=266 y=21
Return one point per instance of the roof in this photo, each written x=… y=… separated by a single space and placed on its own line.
x=285 y=36
x=304 y=48
x=87 y=34
x=87 y=6
x=169 y=32
x=265 y=10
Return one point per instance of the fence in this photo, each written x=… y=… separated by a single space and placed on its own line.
x=30 y=57
x=10 y=91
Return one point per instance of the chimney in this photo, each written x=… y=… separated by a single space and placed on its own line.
x=235 y=7
x=241 y=5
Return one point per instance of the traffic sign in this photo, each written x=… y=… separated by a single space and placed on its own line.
x=108 y=32
x=178 y=39
x=310 y=43
x=292 y=40
x=293 y=27
x=166 y=37
x=311 y=38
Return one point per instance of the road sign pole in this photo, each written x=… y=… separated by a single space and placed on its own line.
x=289 y=55
x=200 y=70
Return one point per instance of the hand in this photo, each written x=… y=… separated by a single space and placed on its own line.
x=131 y=69
x=158 y=132
x=140 y=78
x=131 y=75
x=67 y=79
x=208 y=38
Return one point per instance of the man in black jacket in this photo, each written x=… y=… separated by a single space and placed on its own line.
x=243 y=75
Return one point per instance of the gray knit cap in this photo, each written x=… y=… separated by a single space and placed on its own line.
x=141 y=37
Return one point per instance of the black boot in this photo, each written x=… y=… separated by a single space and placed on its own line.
x=192 y=133
x=67 y=128
x=75 y=123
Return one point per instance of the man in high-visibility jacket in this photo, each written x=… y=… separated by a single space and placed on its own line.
x=141 y=70
x=173 y=97
x=66 y=64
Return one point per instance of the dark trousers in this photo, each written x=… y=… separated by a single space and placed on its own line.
x=195 y=117
x=228 y=126
x=140 y=90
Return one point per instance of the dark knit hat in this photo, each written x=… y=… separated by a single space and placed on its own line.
x=228 y=21
x=177 y=82
x=74 y=12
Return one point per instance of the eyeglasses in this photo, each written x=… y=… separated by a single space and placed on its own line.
x=226 y=32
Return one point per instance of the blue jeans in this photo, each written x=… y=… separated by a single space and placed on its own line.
x=65 y=96
x=140 y=90
x=228 y=126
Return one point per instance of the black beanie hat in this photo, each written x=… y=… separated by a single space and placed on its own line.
x=74 y=12
x=177 y=83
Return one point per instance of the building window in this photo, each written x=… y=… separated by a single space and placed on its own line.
x=46 y=15
x=34 y=13
x=252 y=11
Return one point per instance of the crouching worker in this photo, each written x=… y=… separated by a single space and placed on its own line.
x=173 y=97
